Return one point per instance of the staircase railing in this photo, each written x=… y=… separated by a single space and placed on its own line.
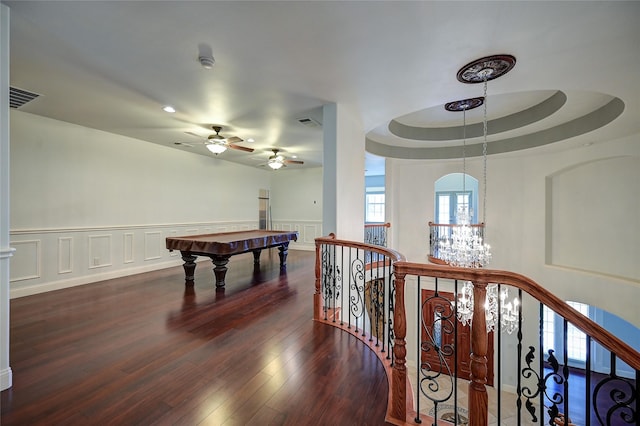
x=439 y=233
x=376 y=233
x=429 y=381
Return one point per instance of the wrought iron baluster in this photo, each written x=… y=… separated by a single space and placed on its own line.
x=587 y=387
x=565 y=371
x=519 y=362
x=356 y=301
x=418 y=354
x=331 y=278
x=541 y=386
x=436 y=378
x=623 y=394
x=455 y=353
x=392 y=304
x=498 y=330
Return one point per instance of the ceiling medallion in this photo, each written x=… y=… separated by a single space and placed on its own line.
x=464 y=105
x=487 y=68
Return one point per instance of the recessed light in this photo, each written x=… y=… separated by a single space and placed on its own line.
x=168 y=108
x=250 y=140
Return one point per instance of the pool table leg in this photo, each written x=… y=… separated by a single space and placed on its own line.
x=256 y=257
x=220 y=269
x=283 y=251
x=189 y=267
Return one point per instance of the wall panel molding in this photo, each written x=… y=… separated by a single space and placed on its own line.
x=152 y=245
x=308 y=231
x=26 y=263
x=195 y=225
x=52 y=259
x=100 y=251
x=65 y=255
x=128 y=249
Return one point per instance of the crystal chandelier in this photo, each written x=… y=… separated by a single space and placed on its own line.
x=465 y=246
x=508 y=317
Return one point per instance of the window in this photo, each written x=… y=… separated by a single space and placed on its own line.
x=444 y=209
x=548 y=329
x=451 y=193
x=374 y=205
x=449 y=202
x=552 y=334
x=576 y=339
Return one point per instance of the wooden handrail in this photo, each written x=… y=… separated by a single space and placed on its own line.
x=373 y=225
x=612 y=343
x=453 y=225
x=331 y=240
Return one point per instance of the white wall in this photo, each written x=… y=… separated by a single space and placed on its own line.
x=552 y=217
x=343 y=172
x=520 y=209
x=6 y=375
x=296 y=204
x=65 y=175
x=88 y=205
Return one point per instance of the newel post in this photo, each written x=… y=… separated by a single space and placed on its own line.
x=399 y=372
x=478 y=398
x=317 y=299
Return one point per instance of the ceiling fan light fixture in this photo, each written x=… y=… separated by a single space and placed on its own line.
x=217 y=148
x=275 y=163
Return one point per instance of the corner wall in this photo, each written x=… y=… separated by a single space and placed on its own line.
x=6 y=251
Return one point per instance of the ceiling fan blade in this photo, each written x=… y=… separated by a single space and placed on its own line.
x=240 y=148
x=188 y=145
x=234 y=139
x=293 y=162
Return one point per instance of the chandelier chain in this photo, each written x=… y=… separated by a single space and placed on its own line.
x=484 y=156
x=464 y=147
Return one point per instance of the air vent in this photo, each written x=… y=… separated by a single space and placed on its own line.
x=19 y=97
x=309 y=122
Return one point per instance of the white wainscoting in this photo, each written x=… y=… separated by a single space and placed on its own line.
x=308 y=231
x=52 y=259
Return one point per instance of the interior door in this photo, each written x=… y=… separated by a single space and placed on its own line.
x=439 y=330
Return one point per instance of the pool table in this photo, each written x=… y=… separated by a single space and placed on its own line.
x=221 y=246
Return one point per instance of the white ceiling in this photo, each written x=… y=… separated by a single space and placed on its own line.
x=113 y=65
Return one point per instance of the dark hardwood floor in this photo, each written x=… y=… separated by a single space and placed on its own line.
x=143 y=350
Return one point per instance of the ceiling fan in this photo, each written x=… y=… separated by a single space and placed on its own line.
x=218 y=143
x=277 y=161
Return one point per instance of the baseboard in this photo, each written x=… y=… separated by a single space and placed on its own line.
x=88 y=279
x=6 y=378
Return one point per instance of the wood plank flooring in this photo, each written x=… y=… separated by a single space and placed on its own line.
x=143 y=350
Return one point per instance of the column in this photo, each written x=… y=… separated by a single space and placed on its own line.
x=343 y=172
x=5 y=251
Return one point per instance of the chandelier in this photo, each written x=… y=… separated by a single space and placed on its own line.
x=465 y=246
x=508 y=317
